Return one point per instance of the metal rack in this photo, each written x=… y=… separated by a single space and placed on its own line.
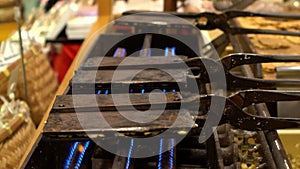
x=224 y=149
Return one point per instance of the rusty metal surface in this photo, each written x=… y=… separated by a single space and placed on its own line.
x=65 y=103
x=94 y=122
x=95 y=63
x=158 y=20
x=144 y=76
x=88 y=77
x=233 y=111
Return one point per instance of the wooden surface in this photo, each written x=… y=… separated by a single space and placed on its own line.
x=104 y=18
x=7 y=29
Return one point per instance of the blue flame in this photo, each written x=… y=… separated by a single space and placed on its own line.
x=149 y=52
x=123 y=53
x=172 y=153
x=116 y=53
x=71 y=155
x=129 y=153
x=173 y=51
x=122 y=50
x=166 y=51
x=81 y=155
x=160 y=153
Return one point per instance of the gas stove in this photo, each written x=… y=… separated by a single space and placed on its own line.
x=157 y=65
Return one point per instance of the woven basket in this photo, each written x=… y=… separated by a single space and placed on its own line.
x=7 y=14
x=6 y=3
x=13 y=147
x=41 y=82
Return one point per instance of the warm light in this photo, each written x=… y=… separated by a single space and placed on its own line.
x=80 y=148
x=296 y=3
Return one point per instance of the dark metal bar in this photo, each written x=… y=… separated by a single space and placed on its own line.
x=146 y=49
x=170 y=5
x=86 y=81
x=220 y=21
x=95 y=122
x=270 y=137
x=279 y=153
x=191 y=142
x=119 y=162
x=18 y=20
x=219 y=44
x=225 y=139
x=214 y=154
x=191 y=156
x=110 y=63
x=87 y=103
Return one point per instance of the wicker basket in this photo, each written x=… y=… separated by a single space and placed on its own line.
x=6 y=3
x=13 y=147
x=41 y=82
x=7 y=10
x=7 y=14
x=16 y=131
